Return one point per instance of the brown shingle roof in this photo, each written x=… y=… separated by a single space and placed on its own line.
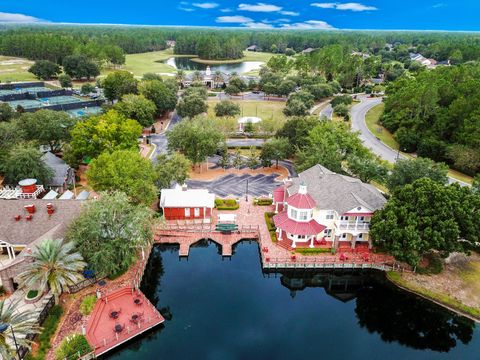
x=42 y=225
x=337 y=192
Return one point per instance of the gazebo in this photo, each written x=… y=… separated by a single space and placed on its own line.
x=247 y=120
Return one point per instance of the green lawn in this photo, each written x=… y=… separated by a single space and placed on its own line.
x=372 y=121
x=269 y=111
x=15 y=69
x=142 y=63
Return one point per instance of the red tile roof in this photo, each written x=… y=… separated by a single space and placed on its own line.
x=282 y=221
x=301 y=201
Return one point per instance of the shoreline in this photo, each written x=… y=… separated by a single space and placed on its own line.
x=395 y=278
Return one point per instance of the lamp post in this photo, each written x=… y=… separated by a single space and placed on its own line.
x=4 y=327
x=246 y=193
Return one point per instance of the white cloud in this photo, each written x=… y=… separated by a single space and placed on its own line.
x=17 y=18
x=259 y=7
x=439 y=5
x=351 y=6
x=233 y=19
x=227 y=10
x=206 y=5
x=258 y=25
x=289 y=13
x=325 y=5
x=309 y=24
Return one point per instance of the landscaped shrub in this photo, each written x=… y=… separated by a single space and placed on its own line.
x=87 y=304
x=72 y=345
x=32 y=294
x=264 y=201
x=269 y=220
x=226 y=204
x=273 y=236
x=48 y=329
x=314 y=251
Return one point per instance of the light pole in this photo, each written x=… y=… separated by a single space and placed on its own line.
x=246 y=193
x=4 y=327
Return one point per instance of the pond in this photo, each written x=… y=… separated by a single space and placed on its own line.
x=228 y=309
x=184 y=63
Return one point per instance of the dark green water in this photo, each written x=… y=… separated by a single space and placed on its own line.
x=229 y=309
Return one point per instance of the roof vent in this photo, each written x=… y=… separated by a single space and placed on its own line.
x=184 y=187
x=29 y=217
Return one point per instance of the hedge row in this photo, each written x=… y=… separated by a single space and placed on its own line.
x=226 y=204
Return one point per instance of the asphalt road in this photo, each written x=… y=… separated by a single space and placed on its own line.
x=160 y=140
x=358 y=115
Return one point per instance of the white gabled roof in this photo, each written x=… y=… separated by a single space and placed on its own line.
x=178 y=198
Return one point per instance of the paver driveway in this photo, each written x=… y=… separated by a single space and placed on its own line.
x=236 y=185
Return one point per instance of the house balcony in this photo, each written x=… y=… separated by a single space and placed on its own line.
x=353 y=226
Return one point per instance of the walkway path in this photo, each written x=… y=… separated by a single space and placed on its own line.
x=273 y=256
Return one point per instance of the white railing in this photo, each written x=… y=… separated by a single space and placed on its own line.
x=346 y=225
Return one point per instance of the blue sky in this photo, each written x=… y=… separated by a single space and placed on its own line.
x=289 y=14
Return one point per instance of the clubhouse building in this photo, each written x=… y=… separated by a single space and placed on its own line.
x=321 y=208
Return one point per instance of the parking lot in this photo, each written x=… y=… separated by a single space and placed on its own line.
x=236 y=185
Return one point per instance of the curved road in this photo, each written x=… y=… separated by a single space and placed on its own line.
x=358 y=114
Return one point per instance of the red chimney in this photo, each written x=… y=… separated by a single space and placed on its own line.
x=29 y=186
x=17 y=217
x=29 y=217
x=30 y=208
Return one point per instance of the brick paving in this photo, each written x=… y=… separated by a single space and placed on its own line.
x=273 y=255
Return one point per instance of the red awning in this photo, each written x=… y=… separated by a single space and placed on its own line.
x=282 y=221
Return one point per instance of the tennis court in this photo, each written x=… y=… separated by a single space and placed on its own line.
x=85 y=111
x=33 y=89
x=59 y=100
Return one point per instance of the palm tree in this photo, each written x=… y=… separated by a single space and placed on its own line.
x=180 y=76
x=218 y=77
x=197 y=76
x=55 y=264
x=22 y=324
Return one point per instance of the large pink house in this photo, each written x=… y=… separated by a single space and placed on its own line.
x=323 y=208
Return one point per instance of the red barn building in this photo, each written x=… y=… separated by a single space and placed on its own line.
x=186 y=204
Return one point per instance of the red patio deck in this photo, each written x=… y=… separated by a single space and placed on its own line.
x=101 y=334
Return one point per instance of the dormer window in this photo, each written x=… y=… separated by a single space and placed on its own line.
x=293 y=213
x=303 y=215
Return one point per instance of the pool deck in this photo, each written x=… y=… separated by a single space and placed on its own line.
x=274 y=255
x=101 y=332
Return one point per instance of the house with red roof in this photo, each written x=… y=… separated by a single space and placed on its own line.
x=321 y=208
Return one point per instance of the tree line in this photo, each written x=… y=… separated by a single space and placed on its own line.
x=54 y=42
x=436 y=115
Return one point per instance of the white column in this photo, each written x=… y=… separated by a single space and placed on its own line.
x=294 y=244
x=276 y=208
x=356 y=223
x=280 y=234
x=311 y=241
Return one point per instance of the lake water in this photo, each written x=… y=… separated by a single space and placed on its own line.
x=229 y=310
x=183 y=63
